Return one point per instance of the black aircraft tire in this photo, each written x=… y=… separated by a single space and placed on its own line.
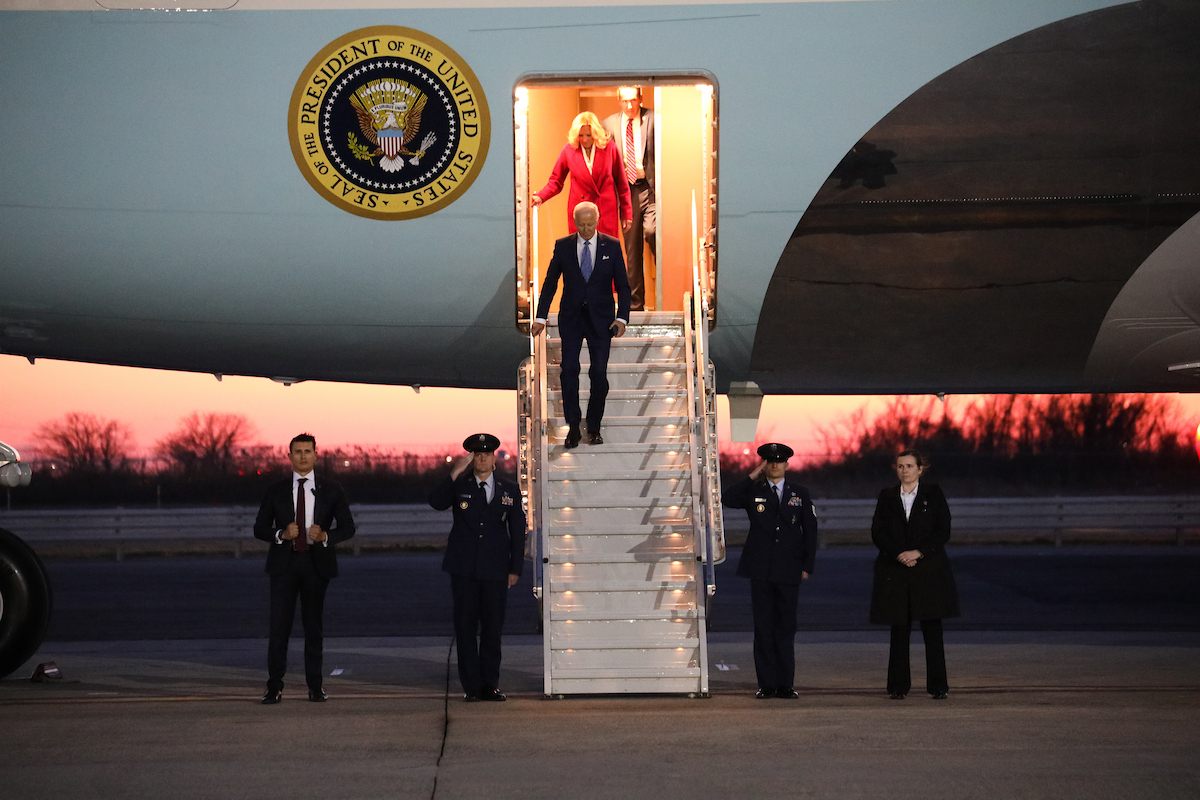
x=26 y=602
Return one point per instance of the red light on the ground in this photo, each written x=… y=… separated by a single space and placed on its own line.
x=1198 y=441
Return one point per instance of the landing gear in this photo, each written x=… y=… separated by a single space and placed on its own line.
x=25 y=602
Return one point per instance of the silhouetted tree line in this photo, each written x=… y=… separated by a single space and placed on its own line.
x=1002 y=445
x=209 y=459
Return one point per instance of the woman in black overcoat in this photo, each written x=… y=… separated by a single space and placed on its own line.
x=913 y=580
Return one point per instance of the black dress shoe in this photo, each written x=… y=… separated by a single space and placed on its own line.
x=896 y=696
x=940 y=696
x=763 y=694
x=317 y=695
x=272 y=697
x=471 y=698
x=595 y=438
x=573 y=437
x=493 y=695
x=787 y=693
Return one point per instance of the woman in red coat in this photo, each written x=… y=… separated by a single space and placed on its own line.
x=597 y=174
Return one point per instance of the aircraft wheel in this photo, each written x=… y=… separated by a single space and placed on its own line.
x=25 y=602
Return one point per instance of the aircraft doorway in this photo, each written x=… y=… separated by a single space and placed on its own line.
x=684 y=110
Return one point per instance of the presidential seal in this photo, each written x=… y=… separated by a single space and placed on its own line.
x=389 y=123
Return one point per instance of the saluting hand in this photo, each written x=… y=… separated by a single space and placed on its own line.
x=758 y=470
x=461 y=466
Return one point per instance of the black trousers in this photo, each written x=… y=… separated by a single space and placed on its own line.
x=899 y=677
x=599 y=344
x=774 y=608
x=478 y=619
x=301 y=580
x=642 y=230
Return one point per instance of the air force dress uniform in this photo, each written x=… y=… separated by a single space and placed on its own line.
x=781 y=544
x=486 y=545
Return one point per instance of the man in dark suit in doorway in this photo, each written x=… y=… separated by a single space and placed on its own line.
x=633 y=131
x=779 y=553
x=591 y=267
x=484 y=556
x=302 y=518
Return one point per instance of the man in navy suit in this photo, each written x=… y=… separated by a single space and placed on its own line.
x=484 y=556
x=302 y=517
x=591 y=267
x=779 y=553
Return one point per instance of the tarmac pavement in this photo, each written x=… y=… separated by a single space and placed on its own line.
x=1099 y=714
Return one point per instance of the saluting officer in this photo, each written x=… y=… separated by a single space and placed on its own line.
x=484 y=556
x=778 y=555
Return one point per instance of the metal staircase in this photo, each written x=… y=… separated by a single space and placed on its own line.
x=625 y=535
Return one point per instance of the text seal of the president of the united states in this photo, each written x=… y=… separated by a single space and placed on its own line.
x=389 y=123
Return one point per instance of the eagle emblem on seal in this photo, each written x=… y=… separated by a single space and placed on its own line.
x=389 y=114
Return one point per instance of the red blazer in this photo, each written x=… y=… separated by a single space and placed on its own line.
x=606 y=186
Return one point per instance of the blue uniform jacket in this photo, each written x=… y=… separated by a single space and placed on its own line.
x=782 y=541
x=487 y=541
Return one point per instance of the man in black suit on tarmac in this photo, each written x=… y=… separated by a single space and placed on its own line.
x=484 y=556
x=591 y=267
x=779 y=553
x=302 y=517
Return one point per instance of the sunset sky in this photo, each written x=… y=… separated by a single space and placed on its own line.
x=151 y=403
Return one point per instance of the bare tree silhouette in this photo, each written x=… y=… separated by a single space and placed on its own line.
x=208 y=443
x=84 y=442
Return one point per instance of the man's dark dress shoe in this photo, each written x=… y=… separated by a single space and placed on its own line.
x=573 y=437
x=317 y=695
x=471 y=698
x=940 y=696
x=787 y=693
x=763 y=694
x=595 y=438
x=272 y=697
x=896 y=695
x=493 y=695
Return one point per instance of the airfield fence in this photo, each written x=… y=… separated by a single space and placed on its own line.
x=842 y=522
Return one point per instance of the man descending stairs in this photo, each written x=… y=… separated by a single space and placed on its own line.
x=624 y=529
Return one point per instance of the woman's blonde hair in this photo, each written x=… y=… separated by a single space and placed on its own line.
x=598 y=133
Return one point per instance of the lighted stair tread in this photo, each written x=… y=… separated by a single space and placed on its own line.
x=658 y=501
x=674 y=616
x=648 y=643
x=566 y=673
x=567 y=584
x=624 y=558
x=649 y=529
x=582 y=474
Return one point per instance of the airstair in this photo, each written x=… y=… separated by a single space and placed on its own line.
x=625 y=535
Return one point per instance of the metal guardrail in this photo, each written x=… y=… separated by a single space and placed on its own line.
x=1036 y=514
x=416 y=522
x=231 y=524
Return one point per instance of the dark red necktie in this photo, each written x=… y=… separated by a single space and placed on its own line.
x=300 y=543
x=630 y=165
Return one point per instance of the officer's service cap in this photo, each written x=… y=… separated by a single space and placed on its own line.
x=775 y=452
x=481 y=443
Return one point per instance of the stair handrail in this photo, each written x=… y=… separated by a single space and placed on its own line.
x=705 y=409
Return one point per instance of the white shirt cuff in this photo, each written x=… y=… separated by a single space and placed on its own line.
x=539 y=319
x=622 y=321
x=279 y=537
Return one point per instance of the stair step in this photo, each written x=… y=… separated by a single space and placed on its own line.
x=671 y=615
x=659 y=501
x=657 y=643
x=647 y=557
x=574 y=585
x=567 y=674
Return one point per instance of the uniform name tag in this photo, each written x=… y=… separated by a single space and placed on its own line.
x=760 y=499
